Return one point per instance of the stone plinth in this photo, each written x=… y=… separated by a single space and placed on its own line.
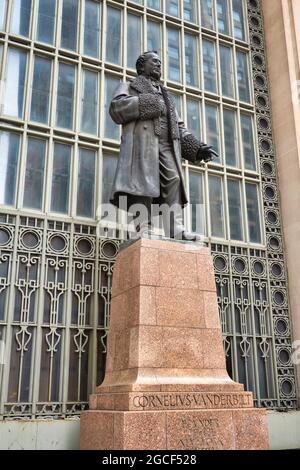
x=166 y=384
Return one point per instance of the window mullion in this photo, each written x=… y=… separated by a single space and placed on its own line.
x=39 y=320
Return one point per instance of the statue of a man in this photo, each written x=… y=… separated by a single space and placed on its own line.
x=153 y=142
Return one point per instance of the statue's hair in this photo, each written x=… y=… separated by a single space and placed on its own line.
x=141 y=61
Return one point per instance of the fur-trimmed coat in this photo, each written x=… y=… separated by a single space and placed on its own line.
x=138 y=107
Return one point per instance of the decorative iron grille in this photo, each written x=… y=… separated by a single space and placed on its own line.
x=55 y=295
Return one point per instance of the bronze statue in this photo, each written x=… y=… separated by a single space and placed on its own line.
x=153 y=142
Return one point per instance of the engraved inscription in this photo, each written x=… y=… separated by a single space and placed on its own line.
x=200 y=433
x=198 y=400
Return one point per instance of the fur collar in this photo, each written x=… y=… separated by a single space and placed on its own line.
x=143 y=85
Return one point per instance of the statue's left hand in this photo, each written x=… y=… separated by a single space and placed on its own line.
x=206 y=154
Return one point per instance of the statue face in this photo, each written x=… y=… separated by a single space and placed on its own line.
x=152 y=66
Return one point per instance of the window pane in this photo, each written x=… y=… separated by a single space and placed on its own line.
x=155 y=4
x=20 y=21
x=216 y=207
x=253 y=214
x=154 y=36
x=133 y=39
x=207 y=14
x=9 y=144
x=223 y=16
x=91 y=28
x=193 y=117
x=69 y=25
x=2 y=13
x=86 y=183
x=227 y=77
x=191 y=60
x=212 y=127
x=65 y=96
x=61 y=178
x=239 y=19
x=34 y=176
x=190 y=13
x=174 y=55
x=40 y=90
x=243 y=76
x=230 y=137
x=235 y=210
x=197 y=207
x=46 y=21
x=172 y=7
x=248 y=142
x=15 y=83
x=89 y=102
x=113 y=37
x=111 y=129
x=209 y=66
x=108 y=175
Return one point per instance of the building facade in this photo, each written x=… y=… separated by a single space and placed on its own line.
x=60 y=61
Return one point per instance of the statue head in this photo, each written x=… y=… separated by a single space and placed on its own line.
x=149 y=65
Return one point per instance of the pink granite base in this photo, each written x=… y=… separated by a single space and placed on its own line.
x=174 y=430
x=166 y=384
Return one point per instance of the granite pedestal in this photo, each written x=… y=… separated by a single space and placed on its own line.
x=166 y=385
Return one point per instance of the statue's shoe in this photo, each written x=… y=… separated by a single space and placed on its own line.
x=144 y=233
x=189 y=236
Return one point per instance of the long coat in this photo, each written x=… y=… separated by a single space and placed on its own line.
x=138 y=165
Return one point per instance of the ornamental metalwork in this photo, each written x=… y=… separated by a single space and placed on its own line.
x=55 y=295
x=268 y=268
